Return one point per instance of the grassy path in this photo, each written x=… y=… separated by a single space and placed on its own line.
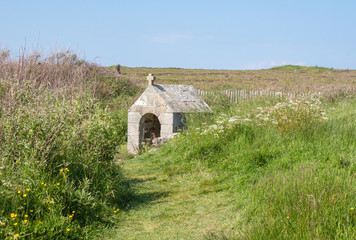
x=175 y=205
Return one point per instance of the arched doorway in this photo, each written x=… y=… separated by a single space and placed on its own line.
x=150 y=127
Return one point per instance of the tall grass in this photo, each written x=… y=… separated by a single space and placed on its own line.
x=57 y=145
x=295 y=177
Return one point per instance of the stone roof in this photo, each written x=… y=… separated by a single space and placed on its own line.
x=174 y=98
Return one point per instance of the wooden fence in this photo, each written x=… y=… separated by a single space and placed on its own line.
x=236 y=96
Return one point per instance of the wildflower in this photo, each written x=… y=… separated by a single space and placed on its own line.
x=3 y=224
x=115 y=211
x=40 y=222
x=50 y=202
x=24 y=203
x=73 y=212
x=15 y=224
x=70 y=216
x=68 y=229
x=25 y=195
x=58 y=184
x=351 y=208
x=45 y=185
x=31 y=211
x=25 y=221
x=13 y=215
x=60 y=170
x=19 y=192
x=49 y=208
x=16 y=235
x=26 y=216
x=27 y=189
x=42 y=183
x=287 y=217
x=67 y=169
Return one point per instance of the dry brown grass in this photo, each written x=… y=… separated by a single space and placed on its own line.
x=61 y=74
x=323 y=80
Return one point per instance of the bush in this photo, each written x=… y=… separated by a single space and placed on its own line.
x=302 y=113
x=57 y=146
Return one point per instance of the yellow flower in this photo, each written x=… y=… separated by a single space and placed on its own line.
x=73 y=212
x=16 y=235
x=25 y=221
x=24 y=203
x=70 y=216
x=3 y=224
x=26 y=216
x=58 y=184
x=42 y=183
x=287 y=217
x=31 y=210
x=13 y=215
x=115 y=212
x=117 y=209
x=68 y=229
x=15 y=224
x=40 y=222
x=49 y=208
x=18 y=191
x=60 y=170
x=25 y=195
x=67 y=169
x=27 y=189
x=50 y=202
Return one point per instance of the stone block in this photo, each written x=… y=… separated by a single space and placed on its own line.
x=166 y=118
x=166 y=130
x=134 y=117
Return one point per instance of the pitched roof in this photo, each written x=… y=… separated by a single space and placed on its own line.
x=175 y=98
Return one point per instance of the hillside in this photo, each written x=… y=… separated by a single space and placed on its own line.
x=290 y=78
x=288 y=164
x=260 y=169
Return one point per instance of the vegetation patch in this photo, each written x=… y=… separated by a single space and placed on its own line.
x=57 y=145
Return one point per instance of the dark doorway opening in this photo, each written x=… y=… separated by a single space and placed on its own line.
x=150 y=128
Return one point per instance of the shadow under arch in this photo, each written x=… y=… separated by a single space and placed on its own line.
x=150 y=127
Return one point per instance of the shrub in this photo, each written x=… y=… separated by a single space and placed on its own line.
x=301 y=113
x=57 y=146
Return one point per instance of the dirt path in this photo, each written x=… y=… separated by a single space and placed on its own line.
x=170 y=205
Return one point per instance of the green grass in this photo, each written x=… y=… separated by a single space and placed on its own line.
x=60 y=126
x=249 y=182
x=297 y=68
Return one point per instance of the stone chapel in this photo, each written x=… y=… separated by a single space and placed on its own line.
x=159 y=112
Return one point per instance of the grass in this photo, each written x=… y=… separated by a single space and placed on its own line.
x=59 y=133
x=172 y=206
x=299 y=68
x=247 y=180
x=64 y=173
x=282 y=78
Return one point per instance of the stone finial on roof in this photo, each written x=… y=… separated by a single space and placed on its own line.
x=151 y=79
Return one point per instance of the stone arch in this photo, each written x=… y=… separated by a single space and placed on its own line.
x=150 y=127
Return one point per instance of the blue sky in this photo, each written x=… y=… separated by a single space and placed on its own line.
x=220 y=34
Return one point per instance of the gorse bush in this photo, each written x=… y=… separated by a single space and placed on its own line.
x=58 y=178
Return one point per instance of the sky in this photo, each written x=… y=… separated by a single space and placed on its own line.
x=207 y=34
